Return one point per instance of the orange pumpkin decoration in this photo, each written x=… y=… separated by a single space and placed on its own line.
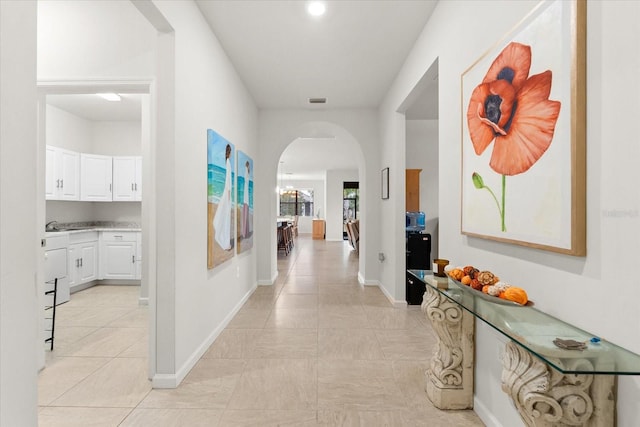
x=456 y=274
x=466 y=280
x=516 y=294
x=485 y=289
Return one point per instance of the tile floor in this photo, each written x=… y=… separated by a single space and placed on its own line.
x=315 y=349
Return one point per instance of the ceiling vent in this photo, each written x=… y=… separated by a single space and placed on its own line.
x=317 y=100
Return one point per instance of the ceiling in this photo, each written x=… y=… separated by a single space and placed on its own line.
x=94 y=108
x=350 y=55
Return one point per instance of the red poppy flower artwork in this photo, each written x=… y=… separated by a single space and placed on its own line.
x=512 y=109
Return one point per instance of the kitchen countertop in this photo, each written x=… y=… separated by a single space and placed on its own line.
x=84 y=230
x=82 y=227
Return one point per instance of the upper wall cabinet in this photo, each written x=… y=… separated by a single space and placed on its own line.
x=62 y=174
x=127 y=179
x=95 y=178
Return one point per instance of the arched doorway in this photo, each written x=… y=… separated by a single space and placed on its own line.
x=275 y=138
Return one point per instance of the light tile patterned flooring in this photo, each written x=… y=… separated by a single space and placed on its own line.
x=315 y=349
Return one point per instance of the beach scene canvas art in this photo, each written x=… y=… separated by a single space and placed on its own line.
x=244 y=210
x=220 y=199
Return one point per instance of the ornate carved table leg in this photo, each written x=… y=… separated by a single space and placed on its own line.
x=546 y=397
x=449 y=379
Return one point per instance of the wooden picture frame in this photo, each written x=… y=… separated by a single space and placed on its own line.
x=523 y=134
x=384 y=189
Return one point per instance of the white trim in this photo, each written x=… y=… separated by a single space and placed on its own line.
x=143 y=301
x=396 y=303
x=83 y=86
x=174 y=380
x=484 y=414
x=365 y=282
x=268 y=282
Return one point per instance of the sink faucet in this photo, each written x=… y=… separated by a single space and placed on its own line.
x=51 y=226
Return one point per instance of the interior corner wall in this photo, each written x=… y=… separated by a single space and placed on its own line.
x=19 y=242
x=334 y=194
x=422 y=153
x=594 y=292
x=208 y=95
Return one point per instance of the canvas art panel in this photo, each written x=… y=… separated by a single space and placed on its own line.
x=523 y=178
x=245 y=202
x=220 y=199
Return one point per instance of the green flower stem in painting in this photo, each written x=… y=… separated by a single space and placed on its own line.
x=478 y=182
x=504 y=181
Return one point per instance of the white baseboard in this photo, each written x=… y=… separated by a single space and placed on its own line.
x=268 y=282
x=396 y=303
x=174 y=380
x=82 y=287
x=484 y=414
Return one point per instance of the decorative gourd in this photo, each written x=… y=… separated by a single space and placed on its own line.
x=515 y=294
x=475 y=284
x=466 y=280
x=470 y=271
x=486 y=278
x=456 y=274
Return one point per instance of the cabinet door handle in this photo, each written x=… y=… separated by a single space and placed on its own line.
x=77 y=262
x=132 y=187
x=80 y=262
x=109 y=188
x=62 y=183
x=136 y=184
x=133 y=259
x=57 y=183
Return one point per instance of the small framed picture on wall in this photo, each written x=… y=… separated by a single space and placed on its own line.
x=384 y=193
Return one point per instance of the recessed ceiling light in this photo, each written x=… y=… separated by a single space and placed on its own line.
x=109 y=96
x=316 y=8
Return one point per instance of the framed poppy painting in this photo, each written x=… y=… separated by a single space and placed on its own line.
x=523 y=134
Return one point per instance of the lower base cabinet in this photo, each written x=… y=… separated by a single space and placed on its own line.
x=82 y=258
x=318 y=229
x=118 y=255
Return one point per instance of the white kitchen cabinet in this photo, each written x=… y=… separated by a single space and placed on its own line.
x=95 y=178
x=118 y=255
x=55 y=264
x=62 y=175
x=82 y=258
x=127 y=178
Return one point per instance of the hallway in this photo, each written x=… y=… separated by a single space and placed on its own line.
x=315 y=349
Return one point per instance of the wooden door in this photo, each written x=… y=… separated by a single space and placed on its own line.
x=412 y=190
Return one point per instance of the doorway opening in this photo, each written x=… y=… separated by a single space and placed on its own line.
x=350 y=205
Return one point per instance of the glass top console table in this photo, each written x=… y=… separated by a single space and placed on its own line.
x=548 y=385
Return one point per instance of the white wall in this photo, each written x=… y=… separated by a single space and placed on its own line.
x=116 y=138
x=19 y=242
x=592 y=292
x=422 y=153
x=334 y=194
x=66 y=130
x=208 y=94
x=79 y=40
x=305 y=222
x=358 y=129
